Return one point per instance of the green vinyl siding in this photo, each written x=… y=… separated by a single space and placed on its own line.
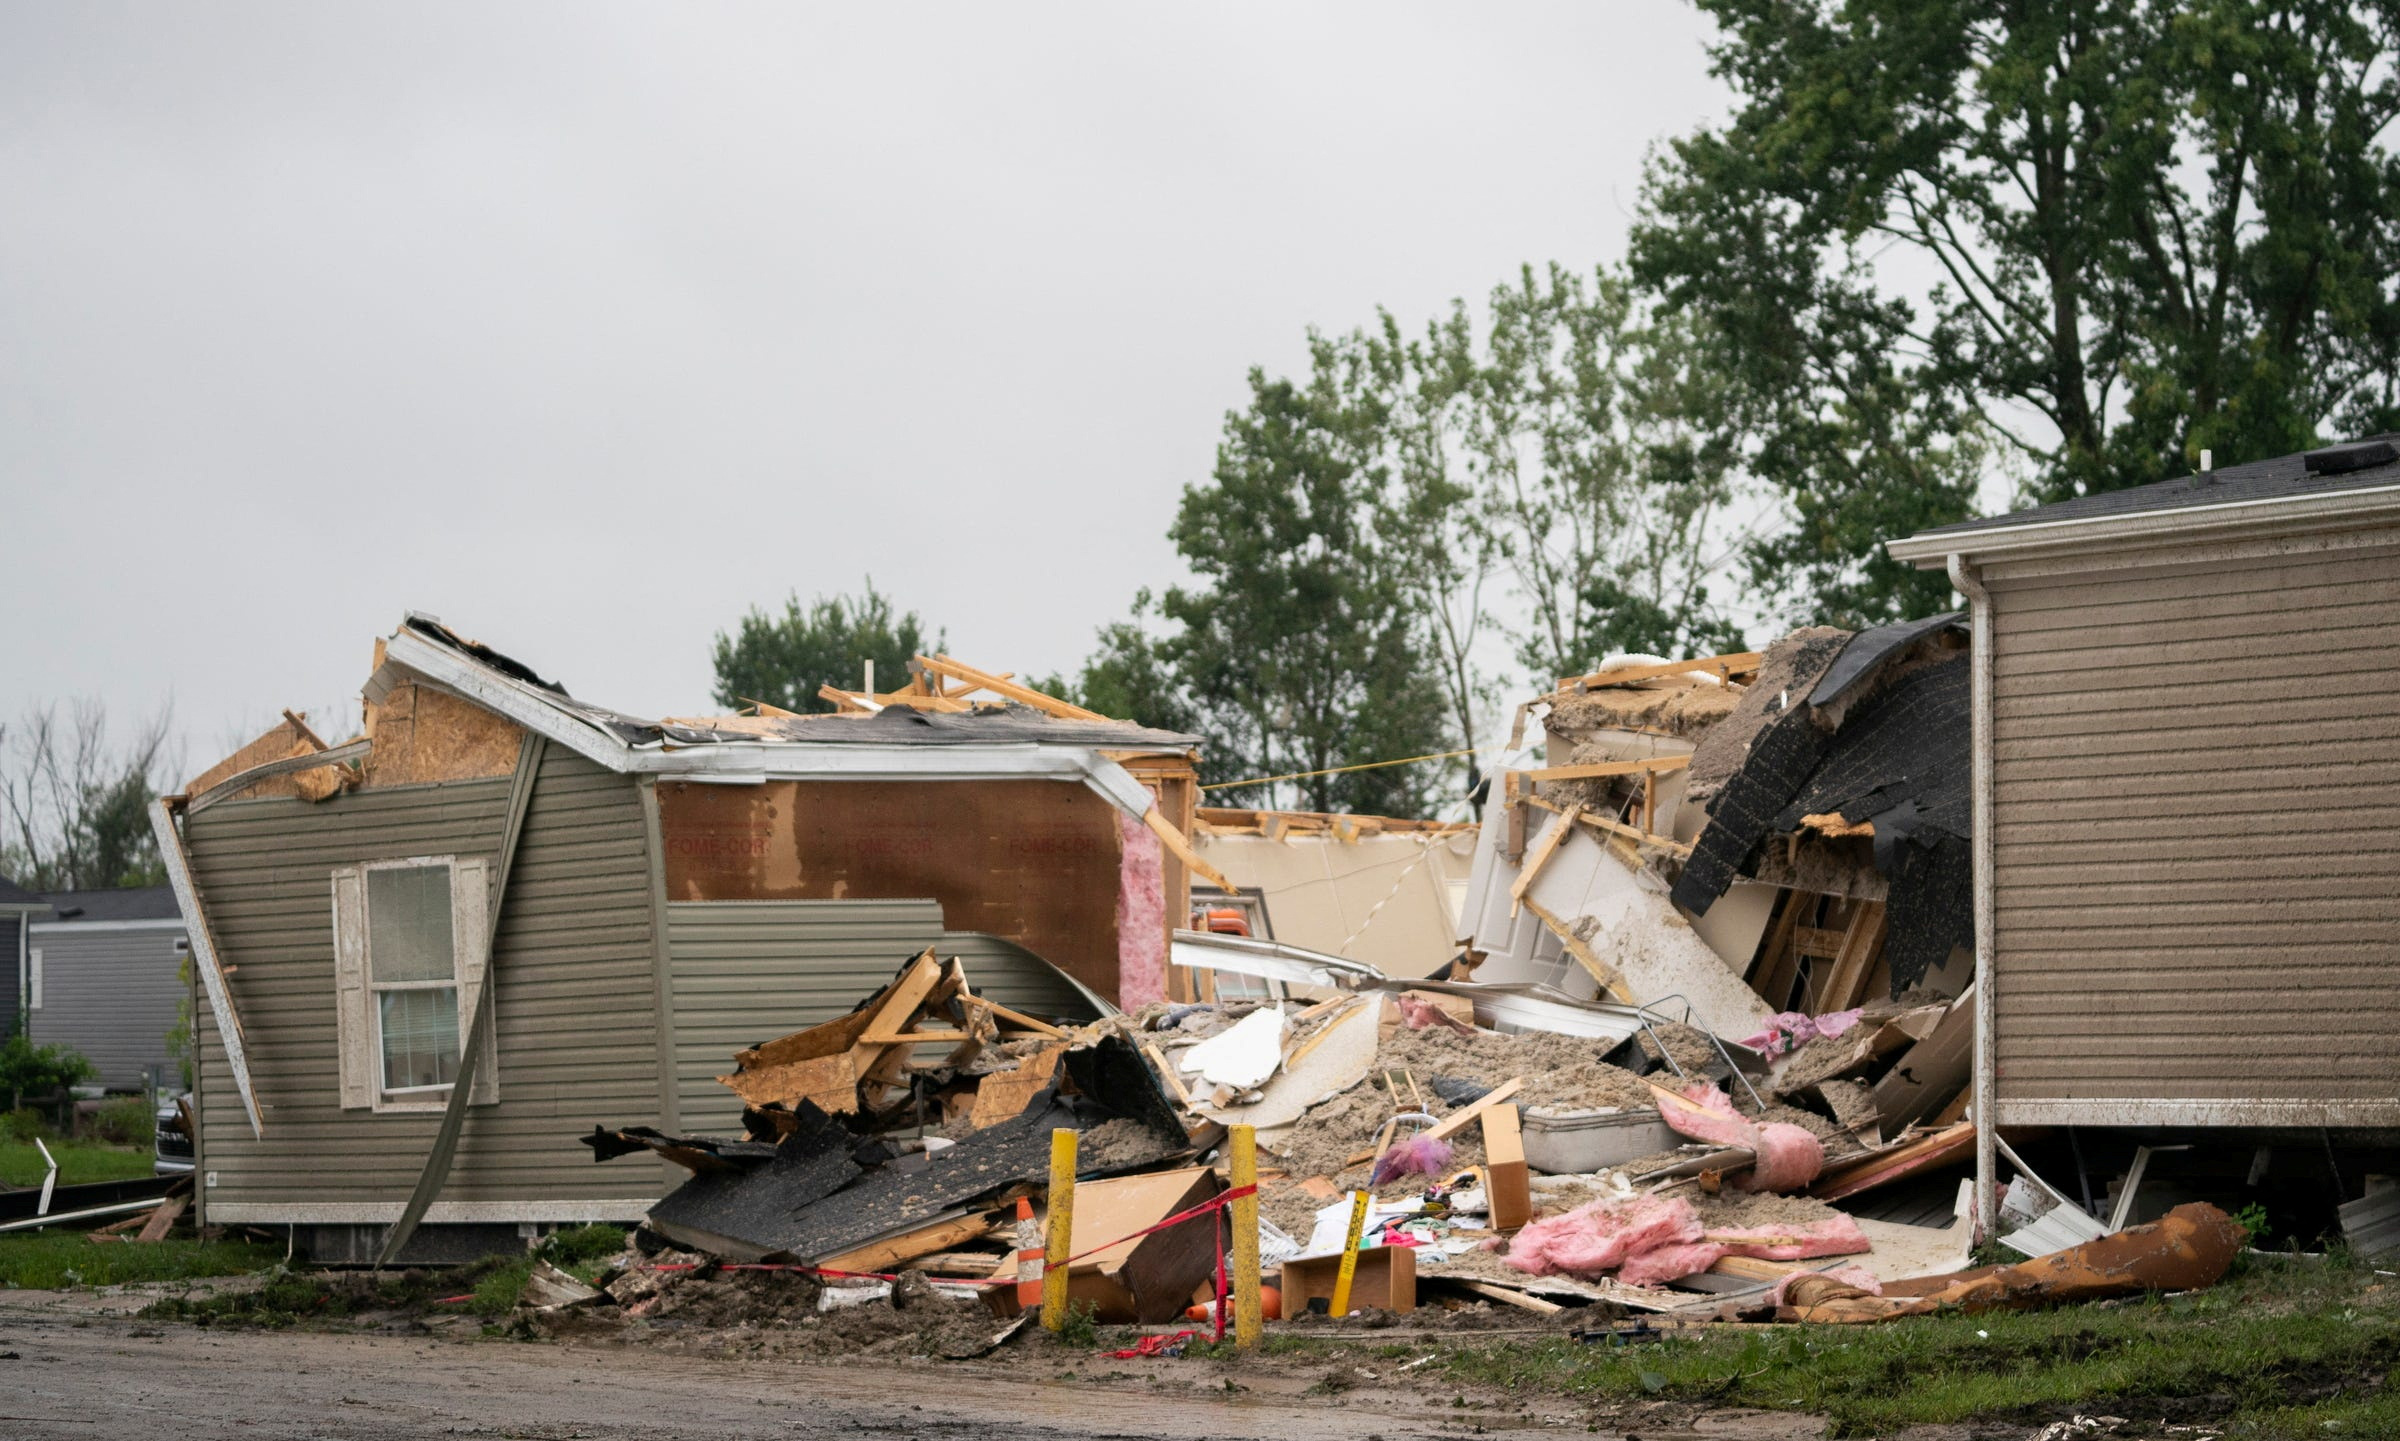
x=575 y=997
x=748 y=971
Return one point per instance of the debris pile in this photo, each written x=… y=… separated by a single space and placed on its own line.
x=1706 y=1053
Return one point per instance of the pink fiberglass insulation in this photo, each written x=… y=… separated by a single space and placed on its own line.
x=1791 y=1030
x=1711 y=1118
x=1667 y=1263
x=1603 y=1236
x=1416 y=1156
x=1141 y=916
x=1837 y=1235
x=1788 y=1158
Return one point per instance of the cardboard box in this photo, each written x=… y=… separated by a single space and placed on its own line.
x=1386 y=1280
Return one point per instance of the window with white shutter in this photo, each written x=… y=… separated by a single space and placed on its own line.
x=409 y=963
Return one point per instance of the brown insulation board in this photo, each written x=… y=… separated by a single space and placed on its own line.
x=1032 y=860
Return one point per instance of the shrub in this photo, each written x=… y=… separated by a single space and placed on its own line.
x=38 y=1072
x=24 y=1126
x=125 y=1121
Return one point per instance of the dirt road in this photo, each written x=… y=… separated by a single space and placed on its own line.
x=86 y=1375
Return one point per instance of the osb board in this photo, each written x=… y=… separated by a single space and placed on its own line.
x=1034 y=861
x=281 y=743
x=423 y=735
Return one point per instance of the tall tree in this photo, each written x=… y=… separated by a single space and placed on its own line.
x=1131 y=677
x=783 y=659
x=1299 y=647
x=1562 y=447
x=77 y=803
x=2149 y=230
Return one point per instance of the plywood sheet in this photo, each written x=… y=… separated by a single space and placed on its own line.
x=423 y=735
x=1035 y=861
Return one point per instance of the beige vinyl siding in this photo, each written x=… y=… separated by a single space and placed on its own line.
x=2197 y=840
x=749 y=971
x=575 y=1000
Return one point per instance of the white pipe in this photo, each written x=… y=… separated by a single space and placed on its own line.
x=1986 y=1111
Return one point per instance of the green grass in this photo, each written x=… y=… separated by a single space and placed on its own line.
x=56 y=1260
x=2280 y=1351
x=491 y=1286
x=78 y=1162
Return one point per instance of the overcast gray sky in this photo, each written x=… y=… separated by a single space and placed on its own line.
x=586 y=327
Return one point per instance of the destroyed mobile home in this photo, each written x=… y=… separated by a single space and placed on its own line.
x=825 y=993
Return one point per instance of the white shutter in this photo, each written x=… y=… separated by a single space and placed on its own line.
x=471 y=931
x=353 y=1020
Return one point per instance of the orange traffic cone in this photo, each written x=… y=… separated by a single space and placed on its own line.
x=1029 y=1257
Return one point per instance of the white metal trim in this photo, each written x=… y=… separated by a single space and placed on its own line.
x=204 y=957
x=2176 y=1111
x=383 y=1213
x=1929 y=549
x=46 y=928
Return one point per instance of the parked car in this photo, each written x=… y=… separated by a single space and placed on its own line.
x=173 y=1153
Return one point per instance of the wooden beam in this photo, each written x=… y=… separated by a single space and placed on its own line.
x=1600 y=770
x=1724 y=667
x=887 y=1255
x=1173 y=839
x=1451 y=1124
x=162 y=1220
x=1543 y=850
x=1862 y=942
x=1002 y=686
x=1615 y=828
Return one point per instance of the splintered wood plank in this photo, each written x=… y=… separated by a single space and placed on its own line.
x=1005 y=1095
x=1543 y=850
x=1724 y=667
x=162 y=1220
x=830 y=1081
x=1862 y=944
x=890 y=1253
x=1603 y=770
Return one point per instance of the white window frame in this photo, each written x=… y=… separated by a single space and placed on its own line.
x=359 y=1021
x=33 y=978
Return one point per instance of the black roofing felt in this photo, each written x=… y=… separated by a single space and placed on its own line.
x=13 y=895
x=814 y=1201
x=1867 y=649
x=2284 y=477
x=128 y=903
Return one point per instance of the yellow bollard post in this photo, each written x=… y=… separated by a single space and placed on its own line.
x=1342 y=1279
x=1062 y=1229
x=1248 y=1318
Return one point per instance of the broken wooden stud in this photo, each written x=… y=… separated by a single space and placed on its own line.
x=1249 y=1316
x=1062 y=1230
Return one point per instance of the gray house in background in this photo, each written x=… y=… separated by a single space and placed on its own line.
x=103 y=975
x=17 y=906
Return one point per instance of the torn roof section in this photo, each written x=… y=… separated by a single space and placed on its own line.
x=1867 y=735
x=897 y=741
